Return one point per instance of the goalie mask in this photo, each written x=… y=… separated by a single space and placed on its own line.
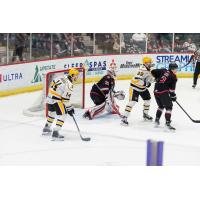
x=112 y=73
x=112 y=69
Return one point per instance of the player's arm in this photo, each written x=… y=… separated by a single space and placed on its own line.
x=148 y=80
x=156 y=73
x=172 y=89
x=191 y=59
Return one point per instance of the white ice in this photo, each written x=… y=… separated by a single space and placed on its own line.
x=21 y=142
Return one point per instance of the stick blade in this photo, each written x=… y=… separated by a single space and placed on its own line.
x=86 y=139
x=196 y=121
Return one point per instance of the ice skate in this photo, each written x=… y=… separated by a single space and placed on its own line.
x=194 y=86
x=169 y=127
x=147 y=117
x=157 y=123
x=46 y=130
x=124 y=121
x=57 y=137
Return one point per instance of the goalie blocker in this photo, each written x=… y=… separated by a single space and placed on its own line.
x=103 y=96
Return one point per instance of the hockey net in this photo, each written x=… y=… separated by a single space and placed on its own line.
x=77 y=99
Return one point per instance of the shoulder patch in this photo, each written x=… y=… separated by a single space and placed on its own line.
x=108 y=76
x=106 y=83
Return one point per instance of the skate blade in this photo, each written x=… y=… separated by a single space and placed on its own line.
x=46 y=133
x=123 y=124
x=57 y=139
x=147 y=120
x=169 y=130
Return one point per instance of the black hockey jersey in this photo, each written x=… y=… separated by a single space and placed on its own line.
x=104 y=86
x=165 y=81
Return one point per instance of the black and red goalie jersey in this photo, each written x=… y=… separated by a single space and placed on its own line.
x=165 y=82
x=101 y=89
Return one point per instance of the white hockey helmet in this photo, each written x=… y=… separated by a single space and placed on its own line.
x=112 y=69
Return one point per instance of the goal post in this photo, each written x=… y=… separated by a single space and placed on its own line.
x=77 y=99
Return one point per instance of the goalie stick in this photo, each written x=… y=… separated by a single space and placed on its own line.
x=82 y=138
x=195 y=121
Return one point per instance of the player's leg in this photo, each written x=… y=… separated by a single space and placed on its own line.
x=60 y=115
x=96 y=110
x=20 y=53
x=133 y=98
x=99 y=107
x=50 y=119
x=147 y=100
x=159 y=110
x=111 y=106
x=167 y=102
x=14 y=54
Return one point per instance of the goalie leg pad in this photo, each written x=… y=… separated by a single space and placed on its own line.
x=96 y=110
x=111 y=106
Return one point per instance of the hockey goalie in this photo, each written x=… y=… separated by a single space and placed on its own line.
x=103 y=95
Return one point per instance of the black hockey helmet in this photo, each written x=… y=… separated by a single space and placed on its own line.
x=173 y=66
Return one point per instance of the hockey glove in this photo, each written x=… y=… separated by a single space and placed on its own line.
x=148 y=85
x=173 y=98
x=70 y=111
x=120 y=95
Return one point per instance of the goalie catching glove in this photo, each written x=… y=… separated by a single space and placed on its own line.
x=120 y=95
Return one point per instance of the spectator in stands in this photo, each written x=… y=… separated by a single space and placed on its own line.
x=108 y=43
x=164 y=46
x=116 y=43
x=177 y=44
x=62 y=46
x=76 y=50
x=20 y=41
x=189 y=46
x=139 y=37
x=139 y=42
x=152 y=46
x=80 y=45
x=123 y=45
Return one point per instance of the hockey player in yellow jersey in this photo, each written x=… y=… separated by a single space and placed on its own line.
x=58 y=103
x=139 y=87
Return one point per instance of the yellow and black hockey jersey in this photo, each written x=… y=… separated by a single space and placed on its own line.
x=142 y=79
x=60 y=90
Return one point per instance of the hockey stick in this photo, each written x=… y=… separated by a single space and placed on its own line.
x=82 y=138
x=195 y=121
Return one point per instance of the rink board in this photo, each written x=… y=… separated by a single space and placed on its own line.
x=25 y=77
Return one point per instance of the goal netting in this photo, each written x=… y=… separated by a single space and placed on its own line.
x=77 y=99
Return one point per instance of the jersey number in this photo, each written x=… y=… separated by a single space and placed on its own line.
x=140 y=73
x=54 y=84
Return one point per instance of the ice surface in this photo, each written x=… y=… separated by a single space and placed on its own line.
x=21 y=142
